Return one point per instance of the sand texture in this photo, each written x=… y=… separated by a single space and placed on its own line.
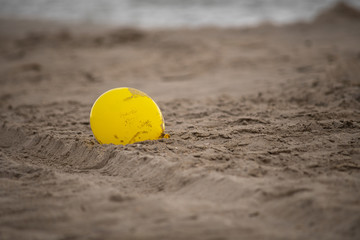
x=264 y=125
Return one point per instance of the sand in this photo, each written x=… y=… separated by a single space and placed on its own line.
x=264 y=125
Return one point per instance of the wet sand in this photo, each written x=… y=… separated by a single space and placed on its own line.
x=264 y=125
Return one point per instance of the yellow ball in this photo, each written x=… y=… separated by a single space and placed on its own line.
x=124 y=116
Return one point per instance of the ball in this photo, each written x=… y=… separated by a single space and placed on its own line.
x=126 y=115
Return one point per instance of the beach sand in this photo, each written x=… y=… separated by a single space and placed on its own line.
x=264 y=125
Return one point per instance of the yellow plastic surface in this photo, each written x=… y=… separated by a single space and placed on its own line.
x=124 y=116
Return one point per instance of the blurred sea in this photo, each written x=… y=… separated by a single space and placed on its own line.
x=167 y=13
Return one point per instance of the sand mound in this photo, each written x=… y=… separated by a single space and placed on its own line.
x=340 y=10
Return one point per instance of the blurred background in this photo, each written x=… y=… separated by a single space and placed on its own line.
x=167 y=13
